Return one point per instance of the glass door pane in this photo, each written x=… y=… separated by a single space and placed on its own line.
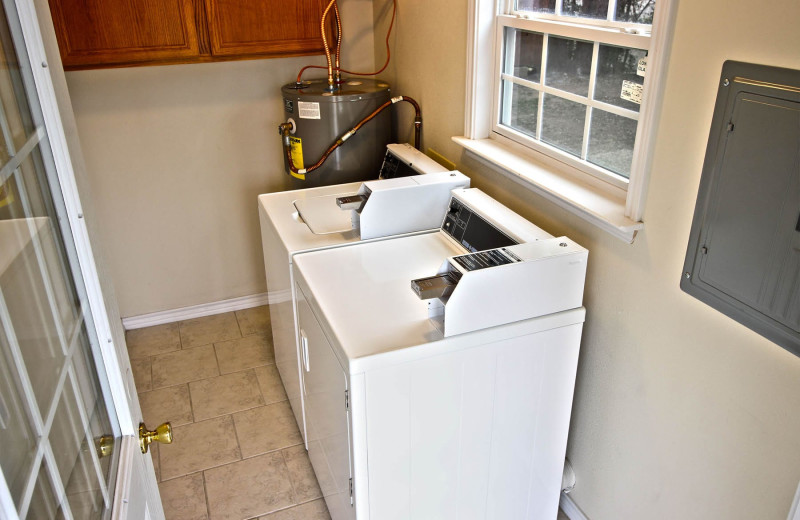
x=58 y=428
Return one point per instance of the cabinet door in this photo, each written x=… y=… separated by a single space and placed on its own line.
x=258 y=27
x=119 y=32
x=327 y=416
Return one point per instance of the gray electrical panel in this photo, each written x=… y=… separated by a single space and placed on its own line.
x=743 y=257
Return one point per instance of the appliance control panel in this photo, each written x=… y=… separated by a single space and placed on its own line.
x=471 y=230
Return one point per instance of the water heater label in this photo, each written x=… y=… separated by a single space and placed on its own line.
x=308 y=110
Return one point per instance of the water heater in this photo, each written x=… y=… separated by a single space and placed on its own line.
x=320 y=117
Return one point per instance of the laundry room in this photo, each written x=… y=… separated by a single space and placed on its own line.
x=529 y=321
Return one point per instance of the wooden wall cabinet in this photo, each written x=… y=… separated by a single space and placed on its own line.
x=119 y=33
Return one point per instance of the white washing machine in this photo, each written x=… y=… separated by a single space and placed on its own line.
x=455 y=406
x=317 y=218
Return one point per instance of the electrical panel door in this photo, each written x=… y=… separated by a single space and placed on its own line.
x=744 y=253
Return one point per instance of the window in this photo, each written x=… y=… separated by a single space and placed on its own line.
x=575 y=80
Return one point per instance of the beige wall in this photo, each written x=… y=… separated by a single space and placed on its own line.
x=176 y=156
x=680 y=413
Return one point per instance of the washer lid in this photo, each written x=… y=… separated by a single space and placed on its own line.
x=323 y=216
x=365 y=293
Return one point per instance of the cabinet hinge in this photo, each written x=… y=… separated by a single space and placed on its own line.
x=347 y=403
x=730 y=126
x=704 y=250
x=351 y=491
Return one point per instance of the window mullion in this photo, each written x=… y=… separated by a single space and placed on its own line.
x=542 y=79
x=559 y=6
x=509 y=39
x=612 y=10
x=587 y=125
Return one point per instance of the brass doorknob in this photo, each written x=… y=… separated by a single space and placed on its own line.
x=162 y=434
x=104 y=445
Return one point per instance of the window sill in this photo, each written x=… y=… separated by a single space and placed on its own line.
x=601 y=207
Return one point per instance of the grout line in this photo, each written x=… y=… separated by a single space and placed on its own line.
x=216 y=357
x=180 y=336
x=236 y=435
x=191 y=404
x=152 y=387
x=205 y=492
x=291 y=480
x=238 y=324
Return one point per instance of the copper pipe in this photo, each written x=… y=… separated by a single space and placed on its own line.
x=347 y=135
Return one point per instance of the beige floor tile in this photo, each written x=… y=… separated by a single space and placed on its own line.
x=151 y=341
x=225 y=394
x=184 y=498
x=249 y=352
x=199 y=446
x=269 y=380
x=170 y=404
x=302 y=474
x=142 y=376
x=183 y=366
x=209 y=329
x=315 y=510
x=267 y=428
x=255 y=320
x=249 y=488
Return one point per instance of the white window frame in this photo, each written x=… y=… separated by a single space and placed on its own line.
x=607 y=200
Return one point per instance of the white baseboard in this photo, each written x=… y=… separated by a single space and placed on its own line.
x=205 y=309
x=571 y=509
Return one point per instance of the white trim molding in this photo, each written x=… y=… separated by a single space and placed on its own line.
x=571 y=509
x=204 y=309
x=603 y=208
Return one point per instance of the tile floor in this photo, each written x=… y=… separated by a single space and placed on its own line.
x=237 y=452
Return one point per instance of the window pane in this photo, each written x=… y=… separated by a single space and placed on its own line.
x=611 y=140
x=44 y=503
x=525 y=60
x=548 y=6
x=569 y=64
x=636 y=11
x=18 y=125
x=586 y=8
x=616 y=65
x=520 y=108
x=562 y=124
x=17 y=439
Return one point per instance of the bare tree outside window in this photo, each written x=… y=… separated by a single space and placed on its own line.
x=585 y=100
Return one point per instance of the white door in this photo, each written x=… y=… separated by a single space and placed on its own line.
x=68 y=446
x=327 y=414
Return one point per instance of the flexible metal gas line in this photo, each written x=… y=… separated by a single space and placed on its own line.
x=285 y=130
x=331 y=85
x=338 y=77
